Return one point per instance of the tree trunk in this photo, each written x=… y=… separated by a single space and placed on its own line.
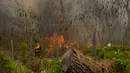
x=57 y=46
x=12 y=47
x=94 y=45
x=75 y=62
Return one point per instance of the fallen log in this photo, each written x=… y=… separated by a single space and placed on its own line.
x=75 y=62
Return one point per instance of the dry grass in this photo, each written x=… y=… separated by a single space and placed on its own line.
x=107 y=66
x=110 y=66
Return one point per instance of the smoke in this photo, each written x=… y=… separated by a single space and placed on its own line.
x=108 y=17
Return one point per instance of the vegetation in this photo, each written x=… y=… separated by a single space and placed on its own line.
x=6 y=62
x=24 y=52
x=59 y=25
x=51 y=66
x=46 y=65
x=118 y=53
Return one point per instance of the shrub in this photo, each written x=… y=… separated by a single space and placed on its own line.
x=24 y=52
x=6 y=62
x=22 y=69
x=120 y=54
x=51 y=66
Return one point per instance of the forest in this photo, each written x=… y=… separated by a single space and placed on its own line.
x=64 y=36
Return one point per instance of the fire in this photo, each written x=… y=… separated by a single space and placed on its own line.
x=67 y=46
x=62 y=43
x=52 y=43
x=49 y=50
x=60 y=40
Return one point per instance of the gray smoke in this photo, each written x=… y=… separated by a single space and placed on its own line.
x=108 y=17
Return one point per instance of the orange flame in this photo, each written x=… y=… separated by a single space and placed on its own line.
x=52 y=40
x=62 y=43
x=60 y=40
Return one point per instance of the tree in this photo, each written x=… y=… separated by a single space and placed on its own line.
x=127 y=7
x=27 y=21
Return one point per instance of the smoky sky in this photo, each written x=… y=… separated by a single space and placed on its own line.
x=85 y=15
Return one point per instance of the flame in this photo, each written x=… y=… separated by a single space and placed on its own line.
x=62 y=43
x=52 y=40
x=60 y=40
x=67 y=46
x=72 y=44
x=49 y=49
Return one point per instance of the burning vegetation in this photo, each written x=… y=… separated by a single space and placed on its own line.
x=52 y=44
x=62 y=43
